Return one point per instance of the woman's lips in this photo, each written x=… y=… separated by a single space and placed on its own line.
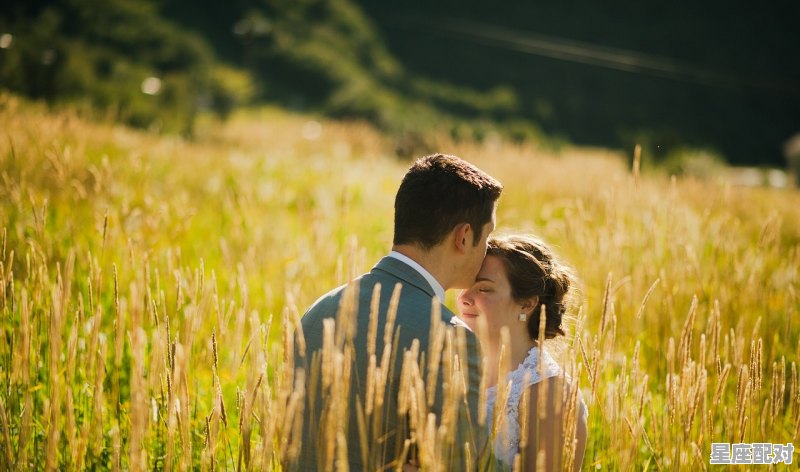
x=469 y=315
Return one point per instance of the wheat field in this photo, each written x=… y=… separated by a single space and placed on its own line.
x=150 y=286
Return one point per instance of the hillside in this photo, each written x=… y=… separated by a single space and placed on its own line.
x=711 y=74
x=676 y=78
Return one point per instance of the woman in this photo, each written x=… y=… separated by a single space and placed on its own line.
x=519 y=276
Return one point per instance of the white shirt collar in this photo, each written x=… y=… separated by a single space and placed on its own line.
x=437 y=287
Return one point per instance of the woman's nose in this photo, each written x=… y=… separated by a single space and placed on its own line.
x=465 y=298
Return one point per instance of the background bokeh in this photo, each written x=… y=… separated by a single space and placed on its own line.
x=679 y=78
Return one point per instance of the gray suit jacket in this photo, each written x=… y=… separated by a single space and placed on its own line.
x=413 y=322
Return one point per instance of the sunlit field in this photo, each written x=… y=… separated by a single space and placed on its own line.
x=149 y=289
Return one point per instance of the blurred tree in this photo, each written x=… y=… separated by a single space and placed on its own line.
x=105 y=52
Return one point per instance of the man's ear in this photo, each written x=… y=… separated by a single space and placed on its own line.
x=462 y=236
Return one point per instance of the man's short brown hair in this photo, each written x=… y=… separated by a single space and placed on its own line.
x=439 y=192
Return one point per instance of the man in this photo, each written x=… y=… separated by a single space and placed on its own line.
x=444 y=213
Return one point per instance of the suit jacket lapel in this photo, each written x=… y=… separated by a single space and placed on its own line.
x=405 y=273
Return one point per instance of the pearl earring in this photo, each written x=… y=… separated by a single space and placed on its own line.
x=523 y=317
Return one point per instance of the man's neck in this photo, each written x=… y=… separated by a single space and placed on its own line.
x=430 y=260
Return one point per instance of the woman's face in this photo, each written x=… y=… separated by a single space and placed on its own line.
x=489 y=300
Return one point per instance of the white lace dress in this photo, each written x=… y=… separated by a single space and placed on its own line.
x=506 y=443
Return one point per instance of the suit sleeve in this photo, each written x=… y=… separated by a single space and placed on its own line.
x=469 y=432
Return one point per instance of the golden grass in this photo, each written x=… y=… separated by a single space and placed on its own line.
x=139 y=277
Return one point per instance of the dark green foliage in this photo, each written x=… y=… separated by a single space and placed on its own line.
x=419 y=66
x=102 y=52
x=732 y=84
x=310 y=55
x=328 y=56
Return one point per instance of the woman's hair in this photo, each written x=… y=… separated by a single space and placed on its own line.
x=534 y=271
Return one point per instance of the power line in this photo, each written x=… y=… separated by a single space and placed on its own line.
x=593 y=55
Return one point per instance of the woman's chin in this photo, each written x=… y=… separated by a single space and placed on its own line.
x=470 y=320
